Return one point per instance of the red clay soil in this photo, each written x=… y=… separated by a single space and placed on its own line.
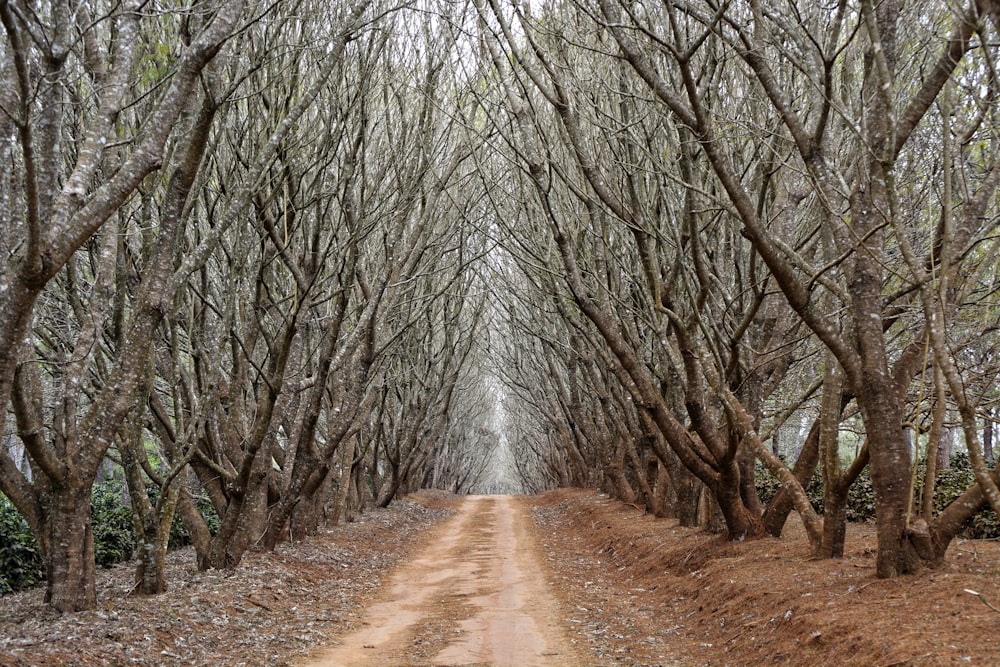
x=632 y=589
x=644 y=591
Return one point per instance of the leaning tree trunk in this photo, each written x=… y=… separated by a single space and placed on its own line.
x=781 y=505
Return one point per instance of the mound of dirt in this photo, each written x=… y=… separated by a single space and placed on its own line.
x=644 y=591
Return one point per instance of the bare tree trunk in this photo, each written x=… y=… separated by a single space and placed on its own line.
x=69 y=551
x=344 y=484
x=777 y=511
x=665 y=497
x=988 y=427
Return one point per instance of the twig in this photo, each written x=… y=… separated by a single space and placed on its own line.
x=983 y=598
x=259 y=604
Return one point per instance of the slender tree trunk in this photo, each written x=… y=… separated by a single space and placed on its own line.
x=344 y=485
x=834 y=522
x=201 y=537
x=988 y=437
x=944 y=449
x=777 y=511
x=151 y=572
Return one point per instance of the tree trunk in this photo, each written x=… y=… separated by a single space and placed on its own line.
x=688 y=496
x=834 y=522
x=344 y=485
x=620 y=486
x=389 y=487
x=665 y=495
x=307 y=513
x=151 y=571
x=359 y=491
x=988 y=437
x=944 y=449
x=69 y=551
x=243 y=520
x=710 y=514
x=201 y=536
x=748 y=484
x=931 y=542
x=890 y=463
x=776 y=513
x=740 y=522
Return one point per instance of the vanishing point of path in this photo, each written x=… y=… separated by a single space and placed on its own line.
x=473 y=594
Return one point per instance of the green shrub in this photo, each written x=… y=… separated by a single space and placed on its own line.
x=114 y=535
x=768 y=486
x=861 y=499
x=952 y=482
x=179 y=536
x=21 y=564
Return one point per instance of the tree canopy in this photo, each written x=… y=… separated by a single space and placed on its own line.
x=284 y=260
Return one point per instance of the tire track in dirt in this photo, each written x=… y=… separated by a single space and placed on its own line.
x=475 y=594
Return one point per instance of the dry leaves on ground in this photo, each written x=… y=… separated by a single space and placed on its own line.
x=644 y=591
x=635 y=589
x=270 y=611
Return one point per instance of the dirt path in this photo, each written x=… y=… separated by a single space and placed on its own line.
x=474 y=595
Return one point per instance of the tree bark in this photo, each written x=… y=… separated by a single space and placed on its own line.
x=69 y=550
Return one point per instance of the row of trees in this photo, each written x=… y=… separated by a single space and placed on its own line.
x=297 y=257
x=238 y=263
x=730 y=215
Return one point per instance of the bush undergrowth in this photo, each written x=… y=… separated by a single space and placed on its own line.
x=952 y=482
x=21 y=563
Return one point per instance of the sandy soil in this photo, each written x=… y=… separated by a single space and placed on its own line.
x=473 y=595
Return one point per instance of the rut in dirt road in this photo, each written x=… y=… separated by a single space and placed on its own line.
x=474 y=594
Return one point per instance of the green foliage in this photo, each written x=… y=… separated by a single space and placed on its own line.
x=952 y=482
x=768 y=486
x=21 y=564
x=114 y=537
x=156 y=64
x=179 y=536
x=861 y=499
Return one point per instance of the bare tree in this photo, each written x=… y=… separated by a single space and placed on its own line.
x=92 y=120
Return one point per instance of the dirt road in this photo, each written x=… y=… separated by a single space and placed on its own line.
x=473 y=595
